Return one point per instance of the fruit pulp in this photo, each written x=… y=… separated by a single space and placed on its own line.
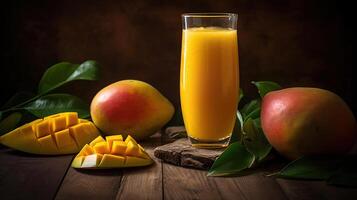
x=209 y=83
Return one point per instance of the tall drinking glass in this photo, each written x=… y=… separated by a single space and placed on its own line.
x=209 y=78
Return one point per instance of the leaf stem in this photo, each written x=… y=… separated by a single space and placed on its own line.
x=11 y=109
x=16 y=107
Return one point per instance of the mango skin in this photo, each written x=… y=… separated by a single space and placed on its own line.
x=307 y=121
x=130 y=107
x=58 y=134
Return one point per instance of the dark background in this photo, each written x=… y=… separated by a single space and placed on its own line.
x=295 y=43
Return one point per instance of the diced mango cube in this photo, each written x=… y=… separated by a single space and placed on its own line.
x=96 y=140
x=92 y=160
x=109 y=161
x=83 y=133
x=48 y=143
x=126 y=153
x=112 y=138
x=118 y=148
x=42 y=129
x=132 y=149
x=58 y=123
x=71 y=119
x=65 y=142
x=101 y=147
x=83 y=121
x=86 y=150
x=77 y=161
x=129 y=138
x=91 y=130
x=142 y=148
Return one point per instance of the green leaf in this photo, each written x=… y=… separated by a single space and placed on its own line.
x=266 y=86
x=251 y=109
x=313 y=168
x=346 y=175
x=17 y=98
x=255 y=140
x=237 y=130
x=232 y=161
x=241 y=94
x=56 y=103
x=10 y=122
x=64 y=72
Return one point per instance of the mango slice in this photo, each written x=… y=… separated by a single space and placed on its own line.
x=62 y=133
x=111 y=152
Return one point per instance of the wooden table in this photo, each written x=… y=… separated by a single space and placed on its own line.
x=25 y=176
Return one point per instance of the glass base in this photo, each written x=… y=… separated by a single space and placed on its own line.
x=206 y=144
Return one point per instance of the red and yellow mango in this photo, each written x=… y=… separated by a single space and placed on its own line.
x=307 y=121
x=130 y=107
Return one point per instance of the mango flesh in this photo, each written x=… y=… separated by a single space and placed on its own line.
x=62 y=133
x=112 y=152
x=130 y=106
x=307 y=121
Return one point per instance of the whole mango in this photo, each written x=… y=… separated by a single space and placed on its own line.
x=307 y=121
x=130 y=107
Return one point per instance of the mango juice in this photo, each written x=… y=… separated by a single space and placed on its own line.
x=209 y=82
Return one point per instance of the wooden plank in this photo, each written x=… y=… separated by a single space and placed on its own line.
x=306 y=190
x=146 y=182
x=26 y=176
x=90 y=184
x=182 y=183
x=259 y=186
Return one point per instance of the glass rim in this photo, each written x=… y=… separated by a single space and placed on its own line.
x=209 y=14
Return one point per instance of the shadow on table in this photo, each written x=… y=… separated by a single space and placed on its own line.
x=13 y=152
x=116 y=171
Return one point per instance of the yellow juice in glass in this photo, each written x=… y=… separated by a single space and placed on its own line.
x=209 y=83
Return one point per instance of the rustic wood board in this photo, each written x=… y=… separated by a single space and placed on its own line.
x=26 y=176
x=181 y=153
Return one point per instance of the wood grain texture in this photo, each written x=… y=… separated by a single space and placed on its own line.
x=181 y=153
x=25 y=176
x=309 y=190
x=90 y=184
x=145 y=182
x=183 y=183
x=259 y=186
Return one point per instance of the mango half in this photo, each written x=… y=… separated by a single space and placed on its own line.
x=62 y=133
x=112 y=153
